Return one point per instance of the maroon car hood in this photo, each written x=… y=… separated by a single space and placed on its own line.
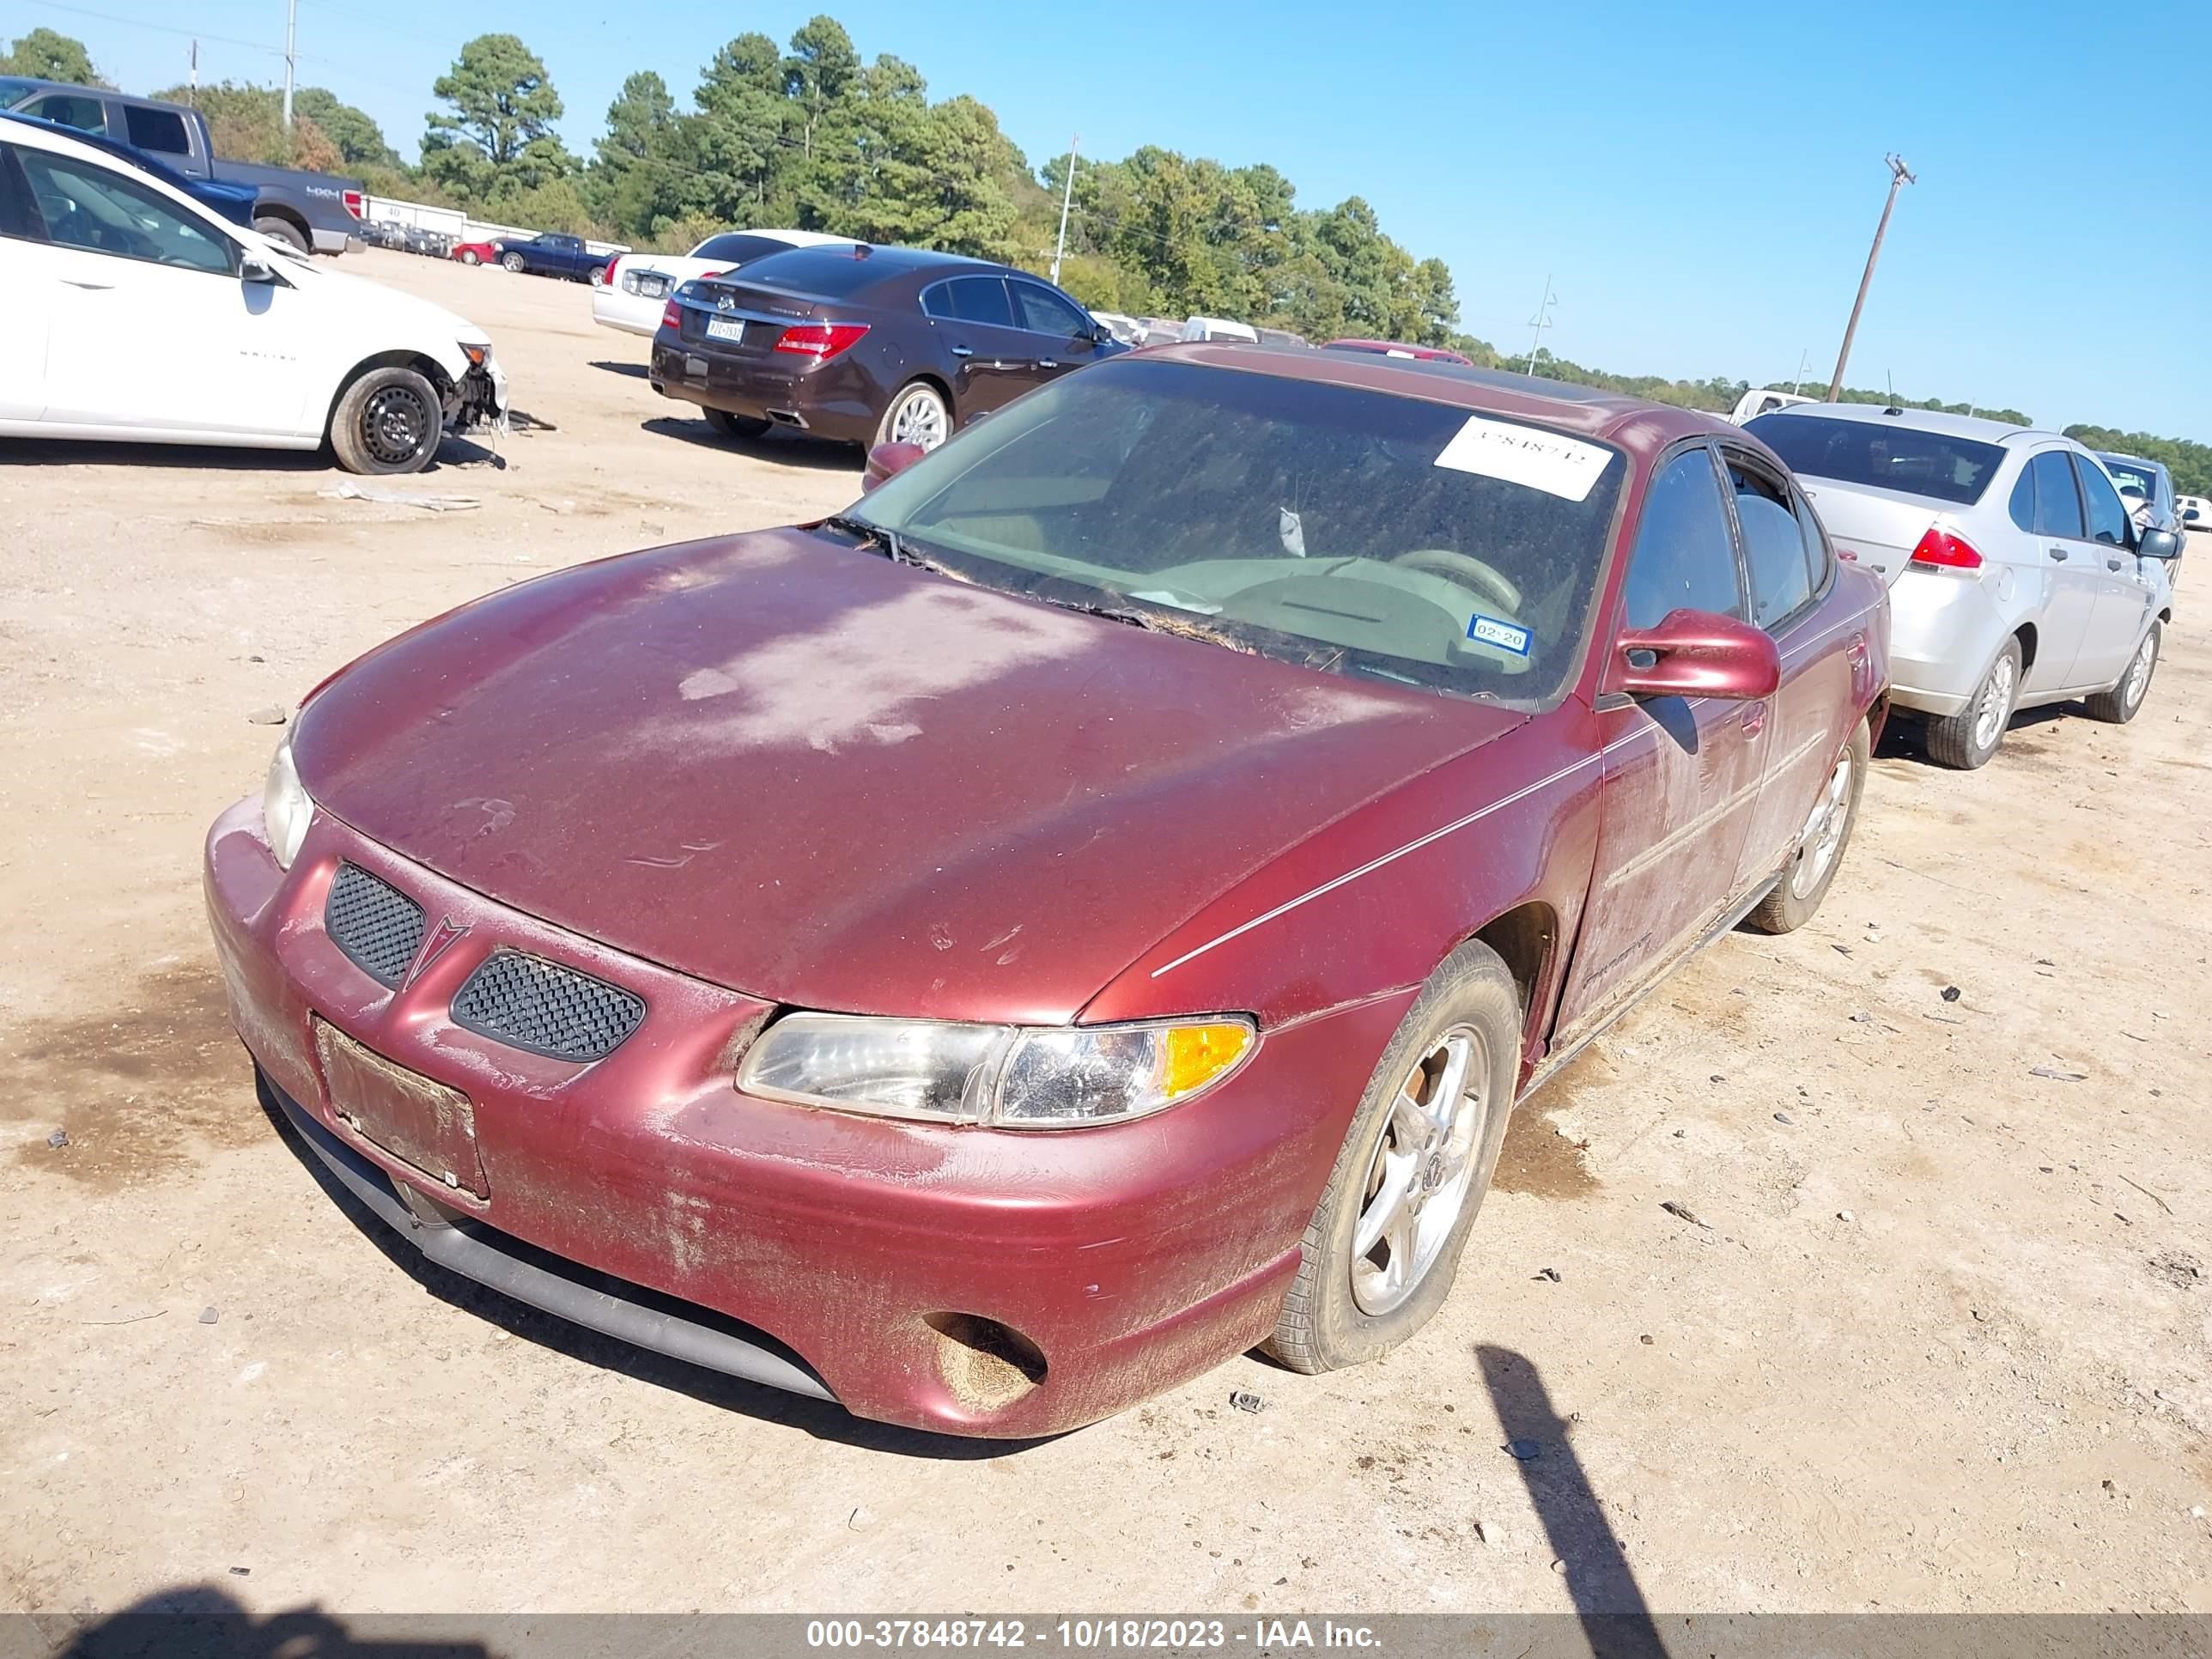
x=801 y=771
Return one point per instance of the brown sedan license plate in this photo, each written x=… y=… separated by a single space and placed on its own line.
x=425 y=1125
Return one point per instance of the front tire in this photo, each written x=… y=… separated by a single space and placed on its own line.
x=1380 y=1252
x=469 y=257
x=736 y=426
x=2124 y=700
x=389 y=421
x=1820 y=843
x=284 y=231
x=1965 y=741
x=917 y=414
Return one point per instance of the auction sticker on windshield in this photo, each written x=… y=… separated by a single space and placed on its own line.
x=1566 y=467
x=1505 y=635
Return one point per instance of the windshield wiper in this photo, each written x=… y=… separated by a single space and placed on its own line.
x=876 y=535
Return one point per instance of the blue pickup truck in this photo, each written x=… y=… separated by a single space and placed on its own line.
x=311 y=211
x=556 y=254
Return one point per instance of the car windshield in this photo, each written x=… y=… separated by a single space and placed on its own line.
x=2133 y=478
x=1351 y=531
x=13 y=88
x=1886 y=456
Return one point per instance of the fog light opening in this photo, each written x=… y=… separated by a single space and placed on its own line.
x=987 y=1365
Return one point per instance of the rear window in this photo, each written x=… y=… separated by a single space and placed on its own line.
x=159 y=129
x=1901 y=457
x=832 y=272
x=736 y=247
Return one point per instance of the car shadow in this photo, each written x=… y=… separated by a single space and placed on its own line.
x=629 y=371
x=205 y=1621
x=1616 y=1619
x=784 y=447
x=1902 y=738
x=821 y=1418
x=213 y=458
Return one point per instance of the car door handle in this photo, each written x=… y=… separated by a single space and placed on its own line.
x=1754 y=718
x=964 y=352
x=1054 y=362
x=2058 y=552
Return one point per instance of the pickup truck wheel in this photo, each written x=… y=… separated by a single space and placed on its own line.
x=284 y=231
x=596 y=277
x=1384 y=1245
x=736 y=426
x=1820 y=843
x=512 y=261
x=1965 y=741
x=2121 y=704
x=389 y=421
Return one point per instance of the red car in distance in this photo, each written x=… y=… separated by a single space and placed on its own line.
x=1087 y=909
x=476 y=253
x=1396 y=348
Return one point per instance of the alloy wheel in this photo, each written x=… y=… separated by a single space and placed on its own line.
x=2138 y=673
x=1823 y=834
x=1417 y=1183
x=1994 y=708
x=919 y=419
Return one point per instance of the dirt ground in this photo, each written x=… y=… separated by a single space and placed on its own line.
x=1943 y=1344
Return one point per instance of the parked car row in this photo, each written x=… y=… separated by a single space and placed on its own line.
x=407 y=238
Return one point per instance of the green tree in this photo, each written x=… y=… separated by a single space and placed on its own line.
x=821 y=68
x=496 y=137
x=48 y=56
x=359 y=141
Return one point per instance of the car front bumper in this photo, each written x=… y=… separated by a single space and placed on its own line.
x=879 y=1262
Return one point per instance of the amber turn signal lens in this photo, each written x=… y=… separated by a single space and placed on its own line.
x=1196 y=1055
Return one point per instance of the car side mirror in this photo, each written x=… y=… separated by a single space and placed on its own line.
x=253 y=268
x=2159 y=544
x=888 y=460
x=1696 y=654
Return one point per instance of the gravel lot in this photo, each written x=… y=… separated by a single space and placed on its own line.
x=1944 y=1344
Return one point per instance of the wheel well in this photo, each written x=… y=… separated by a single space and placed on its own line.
x=2027 y=638
x=1524 y=938
x=429 y=367
x=290 y=216
x=2167 y=615
x=943 y=391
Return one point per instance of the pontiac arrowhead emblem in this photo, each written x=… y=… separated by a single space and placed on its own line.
x=442 y=939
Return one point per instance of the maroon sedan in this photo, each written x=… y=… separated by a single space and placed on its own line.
x=1089 y=909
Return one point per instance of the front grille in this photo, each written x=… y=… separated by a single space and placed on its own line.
x=541 y=1006
x=376 y=925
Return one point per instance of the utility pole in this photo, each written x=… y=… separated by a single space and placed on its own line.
x=1804 y=360
x=1066 y=198
x=1540 y=321
x=193 y=98
x=1899 y=176
x=291 y=37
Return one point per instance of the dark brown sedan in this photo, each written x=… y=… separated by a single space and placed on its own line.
x=867 y=344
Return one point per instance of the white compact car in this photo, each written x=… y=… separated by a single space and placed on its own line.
x=133 y=312
x=637 y=284
x=2016 y=575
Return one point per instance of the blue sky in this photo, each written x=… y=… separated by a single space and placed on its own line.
x=1701 y=184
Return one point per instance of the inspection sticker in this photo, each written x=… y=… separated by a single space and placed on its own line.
x=1566 y=467
x=1505 y=635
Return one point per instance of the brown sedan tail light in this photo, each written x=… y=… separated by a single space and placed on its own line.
x=820 y=341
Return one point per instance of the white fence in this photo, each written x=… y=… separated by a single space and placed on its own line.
x=452 y=221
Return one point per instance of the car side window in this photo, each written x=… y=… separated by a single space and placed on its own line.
x=19 y=214
x=70 y=109
x=162 y=131
x=1818 y=558
x=102 y=212
x=1774 y=547
x=2108 y=514
x=975 y=300
x=1683 y=557
x=1043 y=312
x=2058 y=502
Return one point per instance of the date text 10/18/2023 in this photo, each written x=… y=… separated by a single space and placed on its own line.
x=1090 y=1635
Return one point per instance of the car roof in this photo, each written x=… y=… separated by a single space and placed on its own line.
x=1919 y=420
x=2122 y=455
x=1635 y=423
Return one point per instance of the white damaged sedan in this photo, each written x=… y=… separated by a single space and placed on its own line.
x=134 y=313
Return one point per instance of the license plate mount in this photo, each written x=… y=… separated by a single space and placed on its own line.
x=425 y=1125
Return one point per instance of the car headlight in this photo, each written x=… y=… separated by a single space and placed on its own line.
x=285 y=808
x=478 y=355
x=1007 y=1076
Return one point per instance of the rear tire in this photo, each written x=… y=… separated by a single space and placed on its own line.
x=1343 y=1307
x=512 y=261
x=917 y=414
x=736 y=426
x=1820 y=844
x=1965 y=741
x=284 y=231
x=596 y=277
x=2124 y=700
x=389 y=421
